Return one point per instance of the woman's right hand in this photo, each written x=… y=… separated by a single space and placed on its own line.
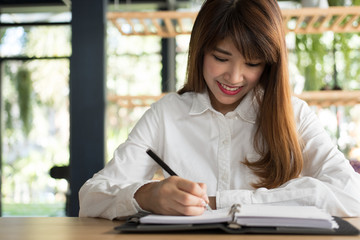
x=173 y=196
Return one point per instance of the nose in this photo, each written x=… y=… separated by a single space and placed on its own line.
x=234 y=74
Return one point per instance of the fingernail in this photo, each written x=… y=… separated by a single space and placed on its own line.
x=206 y=206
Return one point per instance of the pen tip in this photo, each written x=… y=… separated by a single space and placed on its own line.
x=206 y=206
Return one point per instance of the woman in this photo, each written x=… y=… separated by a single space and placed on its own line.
x=233 y=133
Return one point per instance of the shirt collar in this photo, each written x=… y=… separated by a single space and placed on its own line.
x=247 y=109
x=201 y=103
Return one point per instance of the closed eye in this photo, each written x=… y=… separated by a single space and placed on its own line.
x=219 y=59
x=253 y=64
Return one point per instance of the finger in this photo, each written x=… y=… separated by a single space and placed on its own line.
x=178 y=208
x=205 y=196
x=182 y=203
x=176 y=197
x=203 y=186
x=191 y=211
x=191 y=187
x=187 y=199
x=195 y=189
x=171 y=197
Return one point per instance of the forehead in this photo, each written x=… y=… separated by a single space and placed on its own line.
x=227 y=46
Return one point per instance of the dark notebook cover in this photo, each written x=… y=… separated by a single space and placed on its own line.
x=131 y=226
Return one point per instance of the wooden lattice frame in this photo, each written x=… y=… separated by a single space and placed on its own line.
x=314 y=98
x=300 y=21
x=318 y=20
x=173 y=23
x=133 y=101
x=161 y=23
x=331 y=98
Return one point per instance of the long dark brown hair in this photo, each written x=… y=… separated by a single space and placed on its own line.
x=256 y=29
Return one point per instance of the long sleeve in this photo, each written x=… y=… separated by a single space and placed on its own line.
x=327 y=181
x=110 y=192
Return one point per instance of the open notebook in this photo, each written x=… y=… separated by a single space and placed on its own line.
x=254 y=215
x=245 y=219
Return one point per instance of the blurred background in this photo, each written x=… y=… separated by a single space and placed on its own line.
x=43 y=75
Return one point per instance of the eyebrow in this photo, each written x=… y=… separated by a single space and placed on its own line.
x=222 y=51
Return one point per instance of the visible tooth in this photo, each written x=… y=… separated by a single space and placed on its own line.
x=229 y=88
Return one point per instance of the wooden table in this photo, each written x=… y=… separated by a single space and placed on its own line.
x=39 y=228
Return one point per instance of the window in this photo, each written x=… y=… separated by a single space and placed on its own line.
x=35 y=118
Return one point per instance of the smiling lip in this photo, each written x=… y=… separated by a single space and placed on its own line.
x=228 y=90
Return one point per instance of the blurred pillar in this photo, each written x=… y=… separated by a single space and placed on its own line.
x=87 y=95
x=168 y=71
x=168 y=53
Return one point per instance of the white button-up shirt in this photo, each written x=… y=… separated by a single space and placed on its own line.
x=203 y=145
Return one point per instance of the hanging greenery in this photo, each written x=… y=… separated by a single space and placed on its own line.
x=24 y=90
x=327 y=61
x=310 y=55
x=8 y=118
x=336 y=2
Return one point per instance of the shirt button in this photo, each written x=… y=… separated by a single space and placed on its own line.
x=225 y=142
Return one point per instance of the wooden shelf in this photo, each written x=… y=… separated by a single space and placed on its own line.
x=315 y=98
x=162 y=23
x=319 y=20
x=133 y=101
x=331 y=98
x=173 y=23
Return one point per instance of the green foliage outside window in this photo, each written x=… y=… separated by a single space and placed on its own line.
x=35 y=119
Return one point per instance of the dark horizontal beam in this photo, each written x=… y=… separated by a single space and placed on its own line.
x=147 y=1
x=34 y=24
x=15 y=3
x=32 y=58
x=30 y=2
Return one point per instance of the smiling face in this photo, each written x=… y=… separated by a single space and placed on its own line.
x=229 y=76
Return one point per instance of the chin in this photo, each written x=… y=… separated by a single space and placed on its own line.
x=229 y=102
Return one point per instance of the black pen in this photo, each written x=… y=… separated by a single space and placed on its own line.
x=167 y=169
x=161 y=162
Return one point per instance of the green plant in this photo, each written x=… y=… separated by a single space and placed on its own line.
x=311 y=53
x=24 y=89
x=336 y=2
x=329 y=60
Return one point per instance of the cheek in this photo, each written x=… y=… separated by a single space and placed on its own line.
x=254 y=77
x=210 y=67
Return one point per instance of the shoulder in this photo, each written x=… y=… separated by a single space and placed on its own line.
x=174 y=100
x=304 y=116
x=300 y=107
